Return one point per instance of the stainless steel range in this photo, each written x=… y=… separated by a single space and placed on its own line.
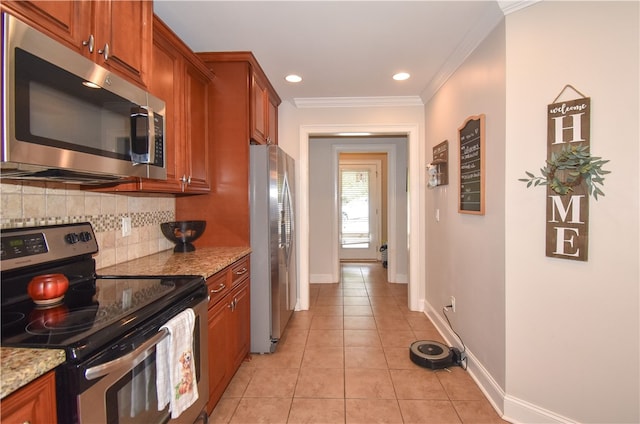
x=108 y=326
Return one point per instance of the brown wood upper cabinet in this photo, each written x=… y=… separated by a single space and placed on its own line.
x=114 y=34
x=264 y=111
x=183 y=82
x=226 y=208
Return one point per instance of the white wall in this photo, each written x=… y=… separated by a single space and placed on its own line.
x=465 y=253
x=294 y=127
x=322 y=200
x=572 y=335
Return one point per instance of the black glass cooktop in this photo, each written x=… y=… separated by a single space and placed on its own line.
x=93 y=312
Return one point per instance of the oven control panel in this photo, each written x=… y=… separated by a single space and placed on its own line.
x=23 y=245
x=37 y=245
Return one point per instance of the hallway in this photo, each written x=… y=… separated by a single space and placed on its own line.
x=346 y=360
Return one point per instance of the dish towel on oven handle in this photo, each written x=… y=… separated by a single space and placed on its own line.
x=175 y=369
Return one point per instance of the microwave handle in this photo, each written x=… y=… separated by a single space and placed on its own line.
x=142 y=135
x=146 y=348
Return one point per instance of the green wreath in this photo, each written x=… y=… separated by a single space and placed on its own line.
x=579 y=166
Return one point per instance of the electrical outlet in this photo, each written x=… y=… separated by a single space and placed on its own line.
x=453 y=303
x=126 y=226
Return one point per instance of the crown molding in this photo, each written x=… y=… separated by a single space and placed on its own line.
x=472 y=40
x=510 y=6
x=334 y=102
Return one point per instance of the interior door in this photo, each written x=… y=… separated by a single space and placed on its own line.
x=359 y=218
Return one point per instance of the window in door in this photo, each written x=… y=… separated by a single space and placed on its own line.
x=359 y=219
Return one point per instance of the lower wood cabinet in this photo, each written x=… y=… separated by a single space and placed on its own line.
x=229 y=326
x=33 y=403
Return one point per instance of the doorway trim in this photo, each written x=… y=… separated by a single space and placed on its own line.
x=416 y=203
x=390 y=150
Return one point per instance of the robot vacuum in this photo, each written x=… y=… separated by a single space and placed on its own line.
x=434 y=355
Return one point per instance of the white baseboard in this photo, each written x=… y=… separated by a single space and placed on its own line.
x=521 y=411
x=494 y=393
x=510 y=408
x=321 y=279
x=402 y=279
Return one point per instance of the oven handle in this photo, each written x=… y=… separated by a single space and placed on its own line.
x=146 y=348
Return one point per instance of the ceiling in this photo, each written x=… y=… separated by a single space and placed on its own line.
x=342 y=49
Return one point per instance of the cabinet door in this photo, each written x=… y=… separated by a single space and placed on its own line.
x=124 y=25
x=272 y=137
x=259 y=110
x=165 y=83
x=34 y=403
x=67 y=21
x=219 y=375
x=123 y=36
x=240 y=333
x=196 y=104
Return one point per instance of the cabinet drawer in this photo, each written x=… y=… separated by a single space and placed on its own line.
x=218 y=286
x=239 y=270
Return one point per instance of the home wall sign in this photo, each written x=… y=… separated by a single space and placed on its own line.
x=568 y=126
x=472 y=174
x=571 y=175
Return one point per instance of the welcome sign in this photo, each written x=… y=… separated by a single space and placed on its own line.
x=567 y=229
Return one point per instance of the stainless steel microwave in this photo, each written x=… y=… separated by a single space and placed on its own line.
x=68 y=119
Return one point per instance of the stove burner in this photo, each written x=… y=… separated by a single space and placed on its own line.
x=10 y=318
x=59 y=320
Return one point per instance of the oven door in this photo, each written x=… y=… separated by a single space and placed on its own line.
x=126 y=386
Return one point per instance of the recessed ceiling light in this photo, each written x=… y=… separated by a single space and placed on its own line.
x=293 y=78
x=401 y=76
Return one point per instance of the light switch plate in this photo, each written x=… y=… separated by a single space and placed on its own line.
x=126 y=226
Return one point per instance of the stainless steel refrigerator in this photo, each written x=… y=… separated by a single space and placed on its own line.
x=273 y=270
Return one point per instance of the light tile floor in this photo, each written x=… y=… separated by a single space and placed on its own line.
x=346 y=360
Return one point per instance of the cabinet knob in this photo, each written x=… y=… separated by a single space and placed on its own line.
x=185 y=181
x=89 y=43
x=105 y=52
x=241 y=271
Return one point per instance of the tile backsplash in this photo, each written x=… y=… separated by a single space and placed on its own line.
x=30 y=204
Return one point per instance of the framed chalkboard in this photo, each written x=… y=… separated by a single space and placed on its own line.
x=471 y=135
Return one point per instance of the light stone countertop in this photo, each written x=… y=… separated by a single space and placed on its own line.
x=204 y=261
x=21 y=366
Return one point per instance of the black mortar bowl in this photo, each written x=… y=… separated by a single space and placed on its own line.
x=182 y=233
